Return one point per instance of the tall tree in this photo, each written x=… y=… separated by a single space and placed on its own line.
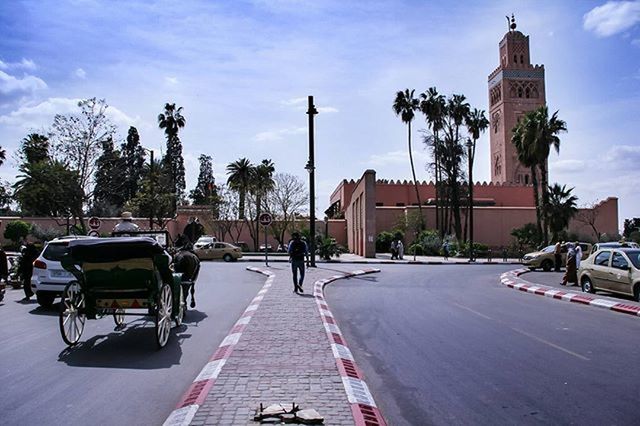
x=476 y=123
x=110 y=188
x=562 y=207
x=288 y=197
x=34 y=148
x=154 y=198
x=458 y=111
x=240 y=175
x=261 y=184
x=433 y=106
x=404 y=106
x=172 y=120
x=133 y=156
x=205 y=191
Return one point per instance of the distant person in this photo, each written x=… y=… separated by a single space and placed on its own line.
x=394 y=250
x=504 y=254
x=29 y=255
x=400 y=249
x=445 y=250
x=489 y=255
x=557 y=254
x=4 y=268
x=570 y=275
x=578 y=255
x=126 y=223
x=297 y=251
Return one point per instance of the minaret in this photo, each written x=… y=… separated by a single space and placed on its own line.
x=515 y=88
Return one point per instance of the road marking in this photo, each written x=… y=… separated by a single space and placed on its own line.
x=548 y=343
x=473 y=312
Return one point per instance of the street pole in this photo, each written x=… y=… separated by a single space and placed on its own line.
x=266 y=256
x=470 y=208
x=312 y=185
x=152 y=190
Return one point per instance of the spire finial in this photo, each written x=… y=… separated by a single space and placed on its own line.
x=513 y=25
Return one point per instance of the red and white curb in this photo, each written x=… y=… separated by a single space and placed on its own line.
x=512 y=280
x=363 y=407
x=199 y=389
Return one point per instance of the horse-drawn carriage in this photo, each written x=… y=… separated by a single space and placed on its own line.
x=120 y=276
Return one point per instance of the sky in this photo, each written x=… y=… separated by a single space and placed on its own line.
x=242 y=71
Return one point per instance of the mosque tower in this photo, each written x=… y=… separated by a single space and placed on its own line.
x=515 y=88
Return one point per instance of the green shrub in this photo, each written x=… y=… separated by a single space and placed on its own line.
x=383 y=242
x=416 y=249
x=17 y=230
x=430 y=242
x=45 y=234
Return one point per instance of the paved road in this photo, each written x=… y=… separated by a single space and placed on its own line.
x=553 y=279
x=450 y=345
x=112 y=378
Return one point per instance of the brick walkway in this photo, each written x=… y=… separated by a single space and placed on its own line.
x=283 y=356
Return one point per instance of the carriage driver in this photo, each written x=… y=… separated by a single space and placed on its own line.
x=126 y=224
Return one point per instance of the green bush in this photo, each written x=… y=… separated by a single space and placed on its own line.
x=634 y=236
x=383 y=242
x=17 y=230
x=416 y=249
x=479 y=249
x=45 y=234
x=430 y=242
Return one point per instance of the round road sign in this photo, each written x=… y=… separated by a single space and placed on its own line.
x=93 y=233
x=94 y=223
x=265 y=219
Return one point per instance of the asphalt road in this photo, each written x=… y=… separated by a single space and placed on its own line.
x=112 y=378
x=451 y=345
x=553 y=279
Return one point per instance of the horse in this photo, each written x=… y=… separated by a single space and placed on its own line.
x=186 y=262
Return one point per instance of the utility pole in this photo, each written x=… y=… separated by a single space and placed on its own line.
x=470 y=153
x=312 y=185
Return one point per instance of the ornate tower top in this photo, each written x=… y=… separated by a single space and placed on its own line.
x=511 y=24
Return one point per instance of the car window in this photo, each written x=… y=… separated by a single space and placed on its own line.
x=220 y=246
x=55 y=252
x=618 y=261
x=634 y=256
x=602 y=258
x=549 y=249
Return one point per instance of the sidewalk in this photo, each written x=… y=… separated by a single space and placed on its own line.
x=279 y=352
x=385 y=258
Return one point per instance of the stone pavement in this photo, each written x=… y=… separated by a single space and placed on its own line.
x=278 y=352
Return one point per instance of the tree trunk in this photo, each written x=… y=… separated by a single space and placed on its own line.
x=415 y=182
x=545 y=200
x=437 y=162
x=534 y=182
x=241 y=199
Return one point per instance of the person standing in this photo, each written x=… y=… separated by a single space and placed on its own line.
x=29 y=255
x=297 y=251
x=394 y=250
x=570 y=275
x=445 y=250
x=126 y=224
x=557 y=256
x=578 y=255
x=400 y=249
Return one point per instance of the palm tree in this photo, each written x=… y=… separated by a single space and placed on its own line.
x=476 y=123
x=261 y=183
x=240 y=173
x=522 y=137
x=547 y=130
x=458 y=110
x=562 y=207
x=405 y=106
x=433 y=107
x=171 y=120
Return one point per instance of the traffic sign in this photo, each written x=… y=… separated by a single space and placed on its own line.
x=265 y=219
x=94 y=222
x=93 y=233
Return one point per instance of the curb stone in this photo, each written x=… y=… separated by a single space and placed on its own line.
x=512 y=280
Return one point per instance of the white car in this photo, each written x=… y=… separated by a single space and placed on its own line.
x=204 y=241
x=49 y=277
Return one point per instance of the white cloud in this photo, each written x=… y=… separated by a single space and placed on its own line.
x=400 y=157
x=327 y=109
x=636 y=42
x=26 y=64
x=622 y=158
x=294 y=101
x=567 y=166
x=278 y=135
x=80 y=73
x=27 y=83
x=171 y=80
x=612 y=17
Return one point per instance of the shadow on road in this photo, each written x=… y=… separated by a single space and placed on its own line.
x=135 y=347
x=50 y=312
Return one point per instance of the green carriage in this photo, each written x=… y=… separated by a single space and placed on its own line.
x=120 y=276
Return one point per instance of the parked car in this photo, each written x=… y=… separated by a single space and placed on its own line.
x=243 y=246
x=49 y=277
x=268 y=246
x=219 y=250
x=203 y=241
x=615 y=244
x=545 y=258
x=616 y=270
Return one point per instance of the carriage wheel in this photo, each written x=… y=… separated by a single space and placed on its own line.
x=163 y=315
x=118 y=317
x=182 y=308
x=72 y=317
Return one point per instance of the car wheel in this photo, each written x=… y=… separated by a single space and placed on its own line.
x=227 y=257
x=547 y=265
x=587 y=285
x=45 y=300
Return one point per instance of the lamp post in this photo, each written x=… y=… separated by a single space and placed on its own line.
x=310 y=167
x=151 y=184
x=470 y=208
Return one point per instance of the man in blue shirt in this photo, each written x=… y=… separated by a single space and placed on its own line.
x=297 y=251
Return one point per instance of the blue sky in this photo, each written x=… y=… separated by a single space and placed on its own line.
x=242 y=71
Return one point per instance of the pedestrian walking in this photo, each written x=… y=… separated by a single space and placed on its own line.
x=578 y=255
x=489 y=255
x=297 y=251
x=400 y=250
x=29 y=255
x=504 y=254
x=570 y=275
x=445 y=250
x=394 y=250
x=557 y=254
